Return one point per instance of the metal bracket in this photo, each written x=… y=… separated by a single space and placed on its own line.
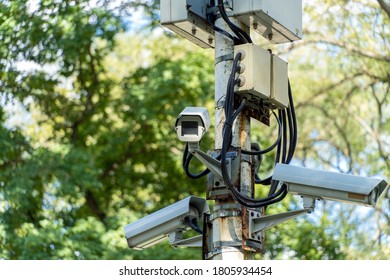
x=228 y=5
x=225 y=213
x=258 y=223
x=224 y=58
x=211 y=163
x=176 y=240
x=216 y=187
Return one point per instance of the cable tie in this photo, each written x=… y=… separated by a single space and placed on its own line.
x=228 y=124
x=226 y=57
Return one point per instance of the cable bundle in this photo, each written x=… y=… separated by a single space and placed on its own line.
x=241 y=37
x=285 y=143
x=287 y=129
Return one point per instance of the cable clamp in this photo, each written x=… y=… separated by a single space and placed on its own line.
x=246 y=158
x=225 y=213
x=222 y=58
x=224 y=244
x=220 y=103
x=220 y=251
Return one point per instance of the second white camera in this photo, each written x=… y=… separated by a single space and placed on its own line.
x=330 y=185
x=192 y=123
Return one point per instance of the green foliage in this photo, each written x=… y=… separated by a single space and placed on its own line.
x=100 y=152
x=92 y=148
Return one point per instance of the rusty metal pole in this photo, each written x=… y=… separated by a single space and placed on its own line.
x=226 y=220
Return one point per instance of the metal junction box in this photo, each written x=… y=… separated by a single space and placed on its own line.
x=279 y=82
x=188 y=19
x=266 y=76
x=257 y=74
x=280 y=21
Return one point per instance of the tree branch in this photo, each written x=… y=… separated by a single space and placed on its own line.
x=349 y=48
x=329 y=88
x=94 y=206
x=385 y=7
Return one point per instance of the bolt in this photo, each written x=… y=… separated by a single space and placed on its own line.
x=258 y=215
x=211 y=40
x=255 y=25
x=252 y=214
x=253 y=235
x=193 y=31
x=270 y=36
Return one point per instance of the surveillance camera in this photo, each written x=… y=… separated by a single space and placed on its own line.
x=159 y=225
x=330 y=185
x=192 y=124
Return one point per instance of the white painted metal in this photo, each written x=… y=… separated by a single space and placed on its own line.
x=226 y=238
x=330 y=185
x=257 y=73
x=188 y=21
x=277 y=20
x=159 y=225
x=198 y=121
x=279 y=82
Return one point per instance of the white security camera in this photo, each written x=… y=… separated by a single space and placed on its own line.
x=170 y=220
x=330 y=185
x=192 y=123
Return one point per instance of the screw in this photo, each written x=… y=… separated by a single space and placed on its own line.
x=193 y=31
x=270 y=36
x=252 y=214
x=255 y=25
x=211 y=40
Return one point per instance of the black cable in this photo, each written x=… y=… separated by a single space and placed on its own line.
x=186 y=162
x=217 y=29
x=294 y=120
x=293 y=135
x=193 y=224
x=284 y=142
x=243 y=36
x=273 y=146
x=239 y=109
x=230 y=116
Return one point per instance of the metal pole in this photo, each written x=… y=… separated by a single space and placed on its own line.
x=226 y=238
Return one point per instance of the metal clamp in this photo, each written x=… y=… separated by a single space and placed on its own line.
x=220 y=251
x=258 y=223
x=222 y=58
x=225 y=213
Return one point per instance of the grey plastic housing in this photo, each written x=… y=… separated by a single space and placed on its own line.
x=330 y=185
x=188 y=19
x=157 y=226
x=279 y=21
x=192 y=123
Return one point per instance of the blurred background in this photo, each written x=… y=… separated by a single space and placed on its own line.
x=89 y=93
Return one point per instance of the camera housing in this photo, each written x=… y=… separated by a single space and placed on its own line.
x=330 y=185
x=192 y=123
x=279 y=21
x=268 y=80
x=188 y=19
x=157 y=226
